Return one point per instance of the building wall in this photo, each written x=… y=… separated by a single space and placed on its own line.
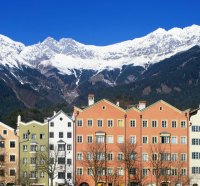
x=39 y=137
x=10 y=152
x=61 y=123
x=194 y=141
x=156 y=112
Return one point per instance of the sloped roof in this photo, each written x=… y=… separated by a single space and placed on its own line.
x=59 y=112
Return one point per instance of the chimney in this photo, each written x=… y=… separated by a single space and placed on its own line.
x=54 y=113
x=90 y=99
x=117 y=103
x=141 y=105
x=18 y=118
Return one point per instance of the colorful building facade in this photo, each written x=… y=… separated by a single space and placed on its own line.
x=8 y=155
x=141 y=145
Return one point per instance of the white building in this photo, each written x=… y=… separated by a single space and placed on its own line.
x=194 y=134
x=61 y=147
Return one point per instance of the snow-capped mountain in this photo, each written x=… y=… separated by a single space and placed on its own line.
x=59 y=69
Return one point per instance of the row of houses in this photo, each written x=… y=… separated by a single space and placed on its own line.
x=104 y=144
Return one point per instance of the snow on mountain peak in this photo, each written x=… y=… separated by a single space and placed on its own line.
x=67 y=54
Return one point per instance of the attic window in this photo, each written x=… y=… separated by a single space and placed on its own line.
x=161 y=108
x=103 y=107
x=61 y=119
x=5 y=132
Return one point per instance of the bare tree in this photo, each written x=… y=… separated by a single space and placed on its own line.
x=48 y=163
x=95 y=161
x=131 y=161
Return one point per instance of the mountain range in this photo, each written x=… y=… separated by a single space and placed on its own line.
x=161 y=64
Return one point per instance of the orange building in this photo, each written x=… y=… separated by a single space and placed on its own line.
x=138 y=146
x=8 y=155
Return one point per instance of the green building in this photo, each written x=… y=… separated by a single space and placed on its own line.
x=33 y=152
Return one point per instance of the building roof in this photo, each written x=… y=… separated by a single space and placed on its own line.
x=59 y=112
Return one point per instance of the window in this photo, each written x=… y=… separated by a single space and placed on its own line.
x=33 y=148
x=154 y=124
x=79 y=171
x=195 y=128
x=120 y=139
x=110 y=139
x=42 y=136
x=100 y=138
x=79 y=139
x=132 y=155
x=174 y=125
x=174 y=140
x=173 y=171
x=89 y=171
x=120 y=123
x=145 y=139
x=25 y=148
x=12 y=172
x=25 y=136
x=110 y=123
x=110 y=156
x=69 y=175
x=60 y=134
x=132 y=123
x=25 y=160
x=165 y=156
x=144 y=157
x=154 y=139
x=61 y=175
x=183 y=157
x=42 y=161
x=183 y=140
x=5 y=132
x=132 y=139
x=25 y=174
x=12 y=158
x=79 y=123
x=79 y=156
x=2 y=144
x=89 y=156
x=165 y=139
x=100 y=156
x=120 y=156
x=33 y=136
x=99 y=123
x=110 y=171
x=2 y=173
x=90 y=123
x=52 y=124
x=132 y=171
x=195 y=141
x=69 y=147
x=89 y=139
x=120 y=171
x=12 y=144
x=144 y=124
x=183 y=172
x=195 y=155
x=154 y=156
x=42 y=148
x=33 y=160
x=61 y=147
x=183 y=124
x=174 y=157
x=33 y=174
x=69 y=124
x=61 y=160
x=195 y=170
x=144 y=172
x=41 y=174
x=164 y=124
x=69 y=135
x=51 y=147
x=51 y=134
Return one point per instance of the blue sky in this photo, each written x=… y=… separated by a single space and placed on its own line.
x=98 y=22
